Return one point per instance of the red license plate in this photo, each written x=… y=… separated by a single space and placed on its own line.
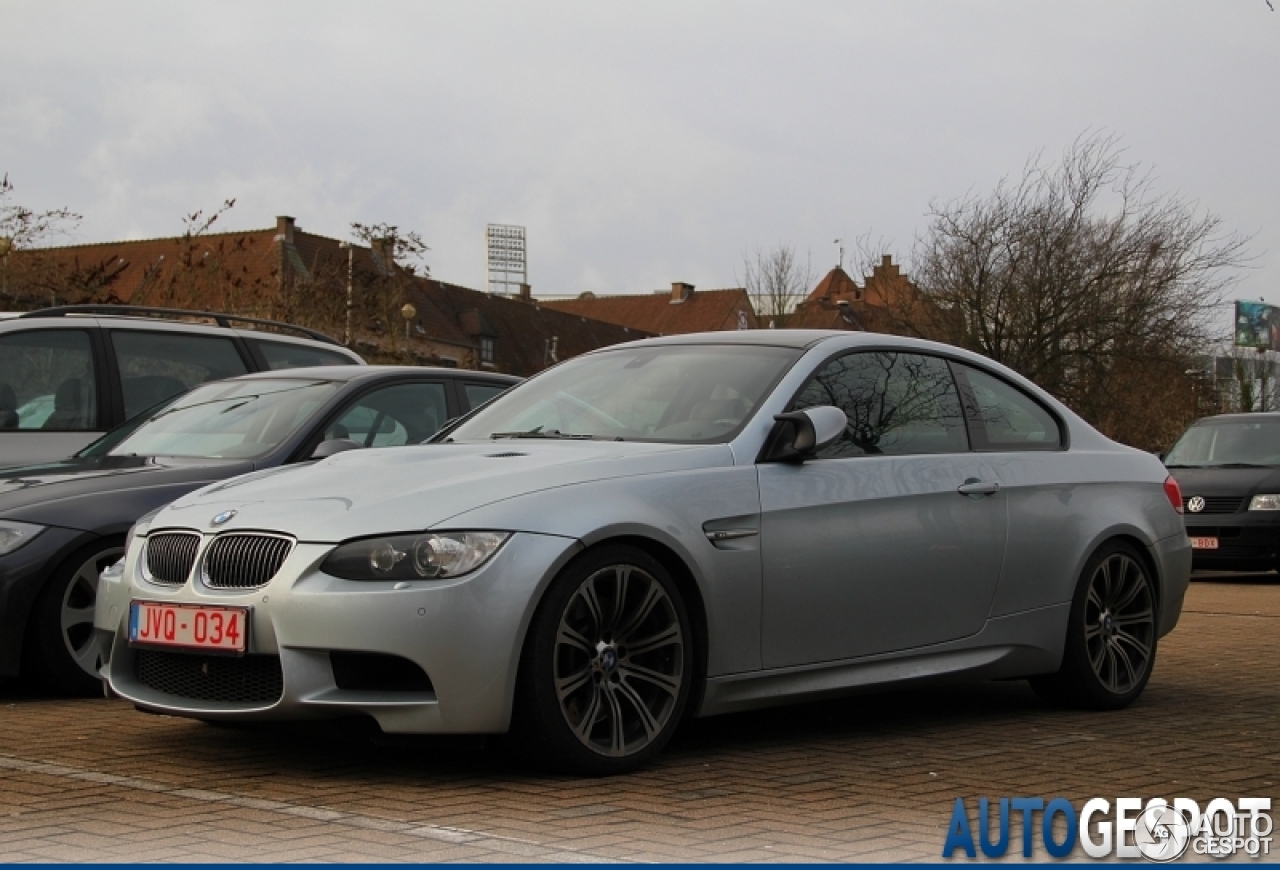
x=1204 y=543
x=189 y=626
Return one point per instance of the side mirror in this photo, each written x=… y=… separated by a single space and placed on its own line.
x=334 y=445
x=801 y=434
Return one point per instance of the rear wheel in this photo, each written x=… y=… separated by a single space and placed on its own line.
x=607 y=666
x=62 y=653
x=1111 y=635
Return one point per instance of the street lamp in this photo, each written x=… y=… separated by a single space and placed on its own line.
x=408 y=312
x=346 y=335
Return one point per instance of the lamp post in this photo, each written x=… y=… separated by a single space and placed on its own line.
x=408 y=312
x=346 y=335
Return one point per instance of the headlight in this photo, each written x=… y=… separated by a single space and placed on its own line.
x=1265 y=503
x=141 y=527
x=14 y=534
x=426 y=556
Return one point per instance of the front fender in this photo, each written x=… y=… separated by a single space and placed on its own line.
x=671 y=510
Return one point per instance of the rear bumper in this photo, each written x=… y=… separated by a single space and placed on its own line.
x=1174 y=560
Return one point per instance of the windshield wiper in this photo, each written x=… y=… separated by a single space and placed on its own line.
x=1239 y=465
x=536 y=432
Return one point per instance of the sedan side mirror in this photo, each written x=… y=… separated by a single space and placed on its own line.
x=334 y=445
x=799 y=435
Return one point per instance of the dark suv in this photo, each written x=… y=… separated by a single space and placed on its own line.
x=69 y=374
x=1228 y=468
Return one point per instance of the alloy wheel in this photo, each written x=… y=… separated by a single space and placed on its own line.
x=619 y=660
x=1119 y=623
x=76 y=612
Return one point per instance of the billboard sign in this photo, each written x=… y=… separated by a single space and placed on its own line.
x=505 y=256
x=1257 y=325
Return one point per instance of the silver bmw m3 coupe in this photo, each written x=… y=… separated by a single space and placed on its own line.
x=676 y=527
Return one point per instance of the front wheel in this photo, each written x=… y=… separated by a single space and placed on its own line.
x=607 y=665
x=62 y=653
x=1111 y=635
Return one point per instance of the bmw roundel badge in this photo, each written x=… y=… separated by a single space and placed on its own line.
x=223 y=517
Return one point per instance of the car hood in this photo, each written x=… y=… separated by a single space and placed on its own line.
x=24 y=487
x=1237 y=482
x=369 y=492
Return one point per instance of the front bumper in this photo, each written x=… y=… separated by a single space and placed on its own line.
x=22 y=574
x=465 y=634
x=1247 y=540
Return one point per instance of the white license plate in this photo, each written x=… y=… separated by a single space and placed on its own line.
x=189 y=626
x=1204 y=543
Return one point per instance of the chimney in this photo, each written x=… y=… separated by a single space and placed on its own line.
x=680 y=291
x=284 y=229
x=526 y=292
x=384 y=254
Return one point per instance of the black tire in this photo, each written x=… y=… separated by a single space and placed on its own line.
x=607 y=666
x=61 y=651
x=1111 y=634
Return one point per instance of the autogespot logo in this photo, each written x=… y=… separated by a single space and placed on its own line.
x=1157 y=830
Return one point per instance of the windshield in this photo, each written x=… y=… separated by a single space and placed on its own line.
x=674 y=393
x=1228 y=442
x=228 y=420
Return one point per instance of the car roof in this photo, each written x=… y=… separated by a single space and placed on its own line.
x=361 y=372
x=1239 y=418
x=797 y=338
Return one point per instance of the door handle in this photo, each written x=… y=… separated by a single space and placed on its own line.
x=975 y=487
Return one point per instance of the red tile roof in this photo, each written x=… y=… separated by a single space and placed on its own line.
x=668 y=313
x=287 y=274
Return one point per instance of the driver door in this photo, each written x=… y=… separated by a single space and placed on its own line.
x=872 y=547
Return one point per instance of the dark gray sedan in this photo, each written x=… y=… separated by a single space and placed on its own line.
x=63 y=522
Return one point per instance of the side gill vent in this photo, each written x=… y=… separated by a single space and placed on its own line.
x=507 y=455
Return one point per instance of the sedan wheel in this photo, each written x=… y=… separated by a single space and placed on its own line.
x=1111 y=637
x=607 y=669
x=62 y=651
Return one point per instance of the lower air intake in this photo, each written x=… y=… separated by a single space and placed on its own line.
x=251 y=679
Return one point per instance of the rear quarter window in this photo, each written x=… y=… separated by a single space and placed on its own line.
x=283 y=355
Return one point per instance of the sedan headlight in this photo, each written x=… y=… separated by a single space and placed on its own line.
x=1265 y=503
x=14 y=534
x=426 y=556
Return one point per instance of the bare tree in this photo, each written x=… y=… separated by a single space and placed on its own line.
x=24 y=227
x=775 y=281
x=398 y=258
x=31 y=276
x=1083 y=278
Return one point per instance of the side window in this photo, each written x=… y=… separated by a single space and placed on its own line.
x=282 y=355
x=897 y=403
x=155 y=366
x=47 y=381
x=391 y=416
x=478 y=394
x=1007 y=418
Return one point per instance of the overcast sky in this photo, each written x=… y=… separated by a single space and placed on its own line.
x=640 y=143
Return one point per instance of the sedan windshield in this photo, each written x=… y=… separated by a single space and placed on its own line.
x=1227 y=443
x=229 y=420
x=674 y=393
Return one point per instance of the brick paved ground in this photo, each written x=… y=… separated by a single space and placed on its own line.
x=868 y=778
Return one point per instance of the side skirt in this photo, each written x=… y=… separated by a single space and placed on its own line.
x=1017 y=645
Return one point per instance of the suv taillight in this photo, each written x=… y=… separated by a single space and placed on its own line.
x=1174 y=492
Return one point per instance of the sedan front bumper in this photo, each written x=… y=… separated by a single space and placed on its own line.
x=464 y=634
x=1247 y=540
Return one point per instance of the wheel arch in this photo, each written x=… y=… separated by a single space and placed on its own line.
x=1135 y=539
x=77 y=553
x=680 y=572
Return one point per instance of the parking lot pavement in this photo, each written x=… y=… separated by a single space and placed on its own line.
x=867 y=778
